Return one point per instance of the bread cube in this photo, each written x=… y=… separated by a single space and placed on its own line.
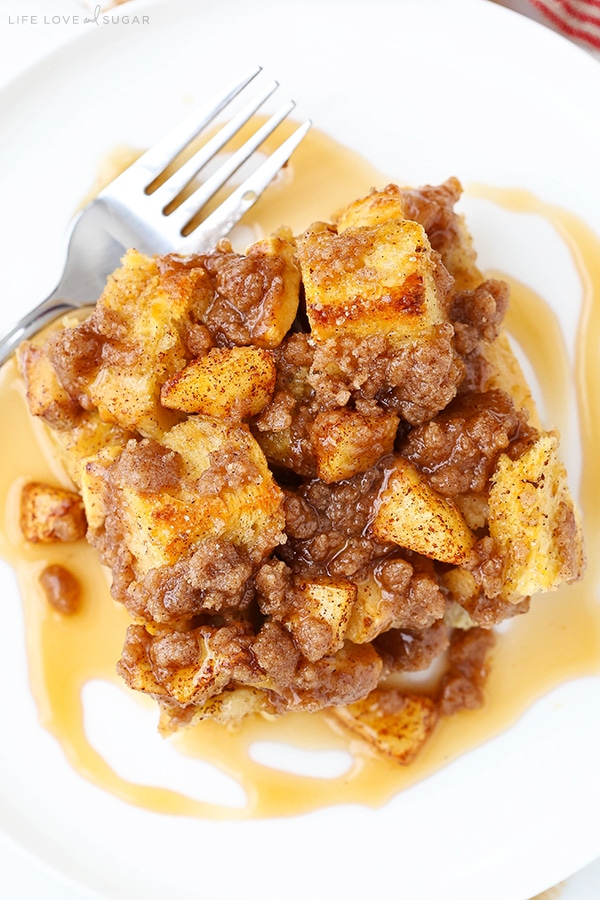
x=92 y=485
x=276 y=445
x=393 y=723
x=226 y=490
x=371 y=614
x=412 y=514
x=233 y=383
x=143 y=311
x=76 y=434
x=504 y=373
x=45 y=395
x=195 y=682
x=376 y=207
x=533 y=521
x=371 y=280
x=280 y=306
x=394 y=202
x=319 y=620
x=76 y=446
x=51 y=514
x=460 y=585
x=346 y=442
x=227 y=708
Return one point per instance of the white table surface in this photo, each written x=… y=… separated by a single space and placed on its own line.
x=22 y=878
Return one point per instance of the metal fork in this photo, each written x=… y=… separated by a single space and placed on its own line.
x=132 y=212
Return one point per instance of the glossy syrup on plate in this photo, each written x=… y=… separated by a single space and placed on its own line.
x=558 y=639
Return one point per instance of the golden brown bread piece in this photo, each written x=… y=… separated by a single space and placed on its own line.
x=229 y=383
x=370 y=279
x=394 y=723
x=412 y=514
x=533 y=521
x=50 y=514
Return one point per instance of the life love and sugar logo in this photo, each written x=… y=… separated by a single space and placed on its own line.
x=96 y=17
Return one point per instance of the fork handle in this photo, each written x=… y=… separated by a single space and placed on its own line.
x=46 y=312
x=91 y=253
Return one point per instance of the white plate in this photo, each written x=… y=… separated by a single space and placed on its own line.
x=423 y=89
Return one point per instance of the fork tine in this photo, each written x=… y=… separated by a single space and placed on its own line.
x=182 y=215
x=155 y=160
x=219 y=223
x=124 y=213
x=182 y=177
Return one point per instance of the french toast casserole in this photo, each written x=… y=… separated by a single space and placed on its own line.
x=313 y=469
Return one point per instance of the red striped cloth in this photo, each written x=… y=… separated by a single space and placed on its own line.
x=579 y=19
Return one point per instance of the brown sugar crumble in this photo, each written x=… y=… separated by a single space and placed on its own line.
x=61 y=588
x=309 y=469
